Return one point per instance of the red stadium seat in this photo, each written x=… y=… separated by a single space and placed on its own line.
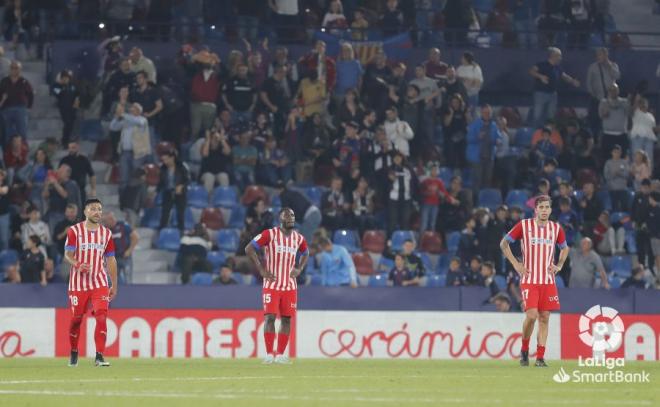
x=512 y=116
x=586 y=175
x=164 y=147
x=363 y=263
x=373 y=241
x=212 y=218
x=254 y=193
x=431 y=242
x=103 y=151
x=114 y=174
x=153 y=174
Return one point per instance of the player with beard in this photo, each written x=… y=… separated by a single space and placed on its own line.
x=90 y=250
x=281 y=246
x=537 y=272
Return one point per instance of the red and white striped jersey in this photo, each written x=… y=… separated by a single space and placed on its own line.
x=90 y=247
x=280 y=255
x=538 y=248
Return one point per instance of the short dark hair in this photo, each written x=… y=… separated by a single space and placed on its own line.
x=540 y=199
x=35 y=239
x=284 y=209
x=143 y=73
x=489 y=264
x=477 y=258
x=564 y=201
x=90 y=201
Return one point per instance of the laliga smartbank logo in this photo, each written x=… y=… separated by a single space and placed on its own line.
x=602 y=329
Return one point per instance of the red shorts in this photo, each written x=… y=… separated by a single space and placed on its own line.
x=543 y=297
x=79 y=300
x=280 y=302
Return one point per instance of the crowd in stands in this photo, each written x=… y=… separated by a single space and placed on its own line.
x=397 y=174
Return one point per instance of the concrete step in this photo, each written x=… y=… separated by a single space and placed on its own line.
x=100 y=169
x=87 y=147
x=34 y=66
x=147 y=255
x=36 y=79
x=42 y=124
x=44 y=111
x=110 y=199
x=155 y=277
x=106 y=189
x=154 y=266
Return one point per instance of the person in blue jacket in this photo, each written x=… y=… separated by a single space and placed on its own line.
x=337 y=267
x=482 y=137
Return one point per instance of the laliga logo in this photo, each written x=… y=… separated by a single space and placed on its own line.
x=561 y=376
x=595 y=334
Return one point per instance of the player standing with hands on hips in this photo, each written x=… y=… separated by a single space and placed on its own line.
x=537 y=272
x=281 y=245
x=90 y=250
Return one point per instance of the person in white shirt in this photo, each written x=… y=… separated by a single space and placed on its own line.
x=335 y=18
x=469 y=72
x=286 y=17
x=398 y=131
x=643 y=134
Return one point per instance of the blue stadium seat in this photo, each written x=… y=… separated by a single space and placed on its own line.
x=7 y=258
x=385 y=265
x=620 y=217
x=500 y=281
x=158 y=199
x=631 y=242
x=275 y=200
x=378 y=280
x=201 y=279
x=188 y=219
x=426 y=261
x=621 y=264
x=615 y=282
x=315 y=280
x=314 y=194
x=604 y=197
x=436 y=280
x=227 y=240
x=559 y=282
x=490 y=198
x=237 y=217
x=151 y=218
x=445 y=175
x=524 y=137
x=197 y=196
x=443 y=263
x=399 y=237
x=238 y=277
x=216 y=258
x=578 y=195
x=564 y=174
x=347 y=238
x=225 y=197
x=517 y=197
x=169 y=239
x=452 y=242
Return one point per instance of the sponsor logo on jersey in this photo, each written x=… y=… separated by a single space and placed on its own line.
x=92 y=246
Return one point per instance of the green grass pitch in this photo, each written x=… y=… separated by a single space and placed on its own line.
x=213 y=382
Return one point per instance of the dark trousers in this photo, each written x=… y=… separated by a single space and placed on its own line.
x=644 y=251
x=608 y=141
x=68 y=120
x=619 y=200
x=192 y=263
x=398 y=215
x=171 y=199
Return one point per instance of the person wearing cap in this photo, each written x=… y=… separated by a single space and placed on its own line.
x=617 y=174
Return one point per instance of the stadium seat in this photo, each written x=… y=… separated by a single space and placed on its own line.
x=622 y=218
x=253 y=193
x=615 y=282
x=512 y=116
x=363 y=263
x=443 y=263
x=524 y=137
x=490 y=198
x=169 y=239
x=559 y=282
x=315 y=280
x=216 y=258
x=563 y=174
x=275 y=200
x=452 y=241
x=201 y=279
x=212 y=218
x=436 y=280
x=7 y=258
x=188 y=219
x=103 y=151
x=631 y=242
x=197 y=196
x=164 y=147
x=426 y=261
x=431 y=242
x=586 y=175
x=237 y=217
x=385 y=265
x=445 y=174
x=153 y=174
x=517 y=197
x=151 y=218
x=348 y=239
x=399 y=237
x=621 y=265
x=373 y=241
x=228 y=239
x=378 y=280
x=114 y=175
x=314 y=194
x=500 y=281
x=225 y=197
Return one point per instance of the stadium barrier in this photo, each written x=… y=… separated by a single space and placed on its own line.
x=226 y=322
